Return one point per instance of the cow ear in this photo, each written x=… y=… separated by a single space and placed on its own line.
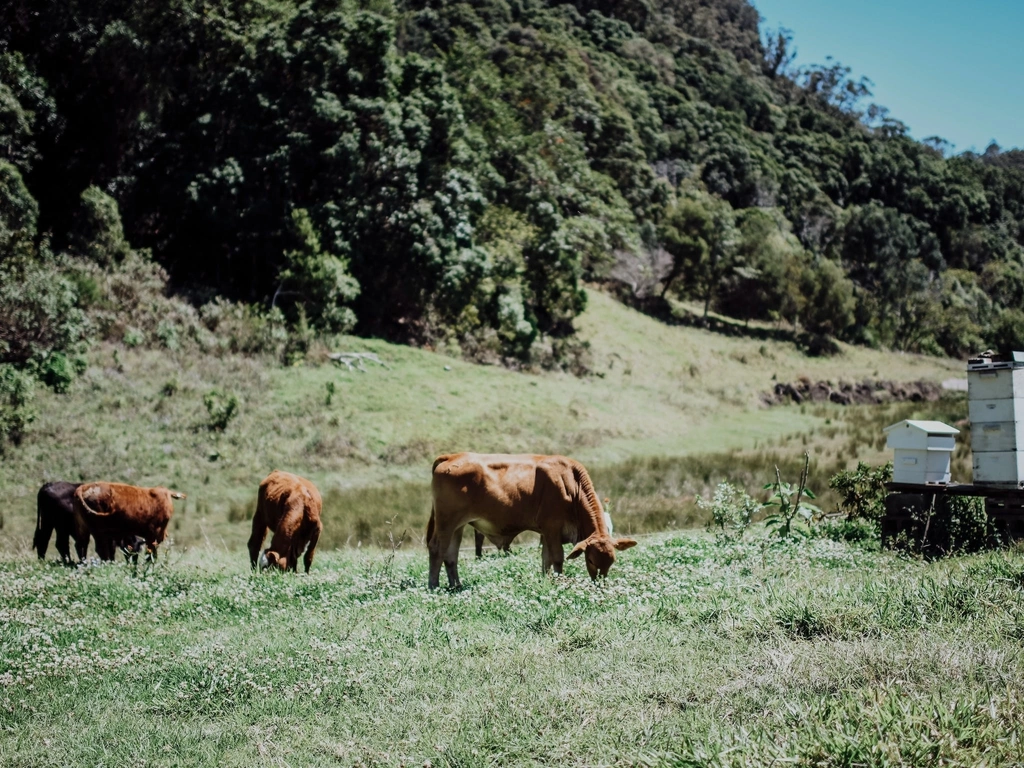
x=621 y=544
x=578 y=549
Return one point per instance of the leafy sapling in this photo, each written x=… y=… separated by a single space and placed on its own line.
x=790 y=515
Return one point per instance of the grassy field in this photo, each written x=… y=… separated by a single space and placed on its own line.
x=693 y=652
x=677 y=407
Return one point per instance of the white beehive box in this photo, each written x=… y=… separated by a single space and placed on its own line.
x=998 y=468
x=995 y=404
x=923 y=450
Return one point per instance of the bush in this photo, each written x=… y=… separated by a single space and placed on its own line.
x=127 y=302
x=952 y=525
x=18 y=209
x=56 y=370
x=38 y=312
x=731 y=510
x=97 y=233
x=854 y=530
x=222 y=408
x=16 y=395
x=862 y=491
x=245 y=328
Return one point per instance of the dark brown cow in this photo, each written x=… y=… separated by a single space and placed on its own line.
x=502 y=495
x=289 y=506
x=120 y=515
x=55 y=512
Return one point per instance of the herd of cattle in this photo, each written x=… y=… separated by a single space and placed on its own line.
x=499 y=495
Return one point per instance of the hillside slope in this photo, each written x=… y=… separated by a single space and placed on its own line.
x=138 y=416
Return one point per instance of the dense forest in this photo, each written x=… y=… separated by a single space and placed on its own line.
x=450 y=173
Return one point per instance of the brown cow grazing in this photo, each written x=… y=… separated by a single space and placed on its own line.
x=119 y=515
x=502 y=495
x=289 y=506
x=55 y=512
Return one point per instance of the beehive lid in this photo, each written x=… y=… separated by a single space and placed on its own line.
x=990 y=362
x=927 y=427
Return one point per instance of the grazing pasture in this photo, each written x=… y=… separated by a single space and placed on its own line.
x=692 y=652
x=675 y=407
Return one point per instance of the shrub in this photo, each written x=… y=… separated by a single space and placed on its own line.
x=98 y=234
x=16 y=395
x=852 y=530
x=222 y=408
x=38 y=314
x=862 y=490
x=57 y=370
x=320 y=278
x=245 y=328
x=127 y=302
x=18 y=209
x=952 y=525
x=731 y=510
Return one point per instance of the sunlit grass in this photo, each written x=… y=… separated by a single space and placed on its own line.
x=693 y=650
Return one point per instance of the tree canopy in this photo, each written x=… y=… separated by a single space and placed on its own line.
x=453 y=171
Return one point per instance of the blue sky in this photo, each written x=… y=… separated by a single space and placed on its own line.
x=945 y=68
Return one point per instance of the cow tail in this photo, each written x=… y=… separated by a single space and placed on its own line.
x=85 y=504
x=586 y=496
x=430 y=525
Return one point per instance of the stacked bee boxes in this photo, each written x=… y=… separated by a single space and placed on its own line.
x=995 y=401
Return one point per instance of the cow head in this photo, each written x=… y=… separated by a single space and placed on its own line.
x=600 y=553
x=270 y=559
x=133 y=545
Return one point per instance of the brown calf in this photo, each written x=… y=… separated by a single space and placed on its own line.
x=118 y=515
x=502 y=495
x=289 y=506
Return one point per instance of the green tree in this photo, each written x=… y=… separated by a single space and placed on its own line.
x=319 y=281
x=828 y=302
x=700 y=233
x=18 y=209
x=98 y=233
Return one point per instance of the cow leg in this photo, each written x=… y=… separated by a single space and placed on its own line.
x=440 y=548
x=434 y=552
x=479 y=541
x=551 y=551
x=104 y=547
x=307 y=559
x=81 y=547
x=62 y=542
x=451 y=559
x=259 y=532
x=42 y=538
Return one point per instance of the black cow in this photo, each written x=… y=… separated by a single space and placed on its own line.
x=54 y=512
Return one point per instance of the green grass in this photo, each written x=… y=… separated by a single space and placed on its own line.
x=693 y=652
x=681 y=400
